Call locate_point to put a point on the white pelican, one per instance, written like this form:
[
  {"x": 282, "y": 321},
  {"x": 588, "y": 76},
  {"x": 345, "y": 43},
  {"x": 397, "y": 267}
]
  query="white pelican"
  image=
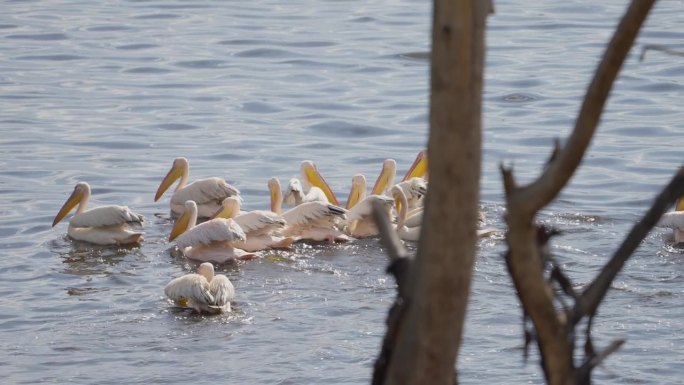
[
  {"x": 414, "y": 189},
  {"x": 412, "y": 233},
  {"x": 316, "y": 186},
  {"x": 262, "y": 227},
  {"x": 204, "y": 291},
  {"x": 316, "y": 221},
  {"x": 211, "y": 241},
  {"x": 406, "y": 233},
  {"x": 207, "y": 193},
  {"x": 675, "y": 221},
  {"x": 419, "y": 167},
  {"x": 360, "y": 221},
  {"x": 105, "y": 225}
]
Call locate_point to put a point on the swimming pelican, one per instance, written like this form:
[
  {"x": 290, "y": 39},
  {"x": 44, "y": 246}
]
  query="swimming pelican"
[
  {"x": 104, "y": 225},
  {"x": 360, "y": 221},
  {"x": 207, "y": 193},
  {"x": 312, "y": 180},
  {"x": 675, "y": 221},
  {"x": 406, "y": 233},
  {"x": 316, "y": 221},
  {"x": 412, "y": 233},
  {"x": 211, "y": 241},
  {"x": 203, "y": 291},
  {"x": 419, "y": 167},
  {"x": 262, "y": 228},
  {"x": 415, "y": 187}
]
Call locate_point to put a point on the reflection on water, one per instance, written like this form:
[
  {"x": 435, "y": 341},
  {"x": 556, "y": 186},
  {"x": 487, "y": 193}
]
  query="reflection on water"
[{"x": 112, "y": 92}]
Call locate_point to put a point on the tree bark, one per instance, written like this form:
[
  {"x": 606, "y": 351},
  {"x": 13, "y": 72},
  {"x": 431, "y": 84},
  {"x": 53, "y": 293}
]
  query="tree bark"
[{"x": 430, "y": 335}]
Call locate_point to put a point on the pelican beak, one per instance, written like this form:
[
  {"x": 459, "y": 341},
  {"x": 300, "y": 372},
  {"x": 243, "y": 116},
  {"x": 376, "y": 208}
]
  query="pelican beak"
[
  {"x": 73, "y": 200},
  {"x": 223, "y": 212},
  {"x": 354, "y": 196},
  {"x": 419, "y": 168},
  {"x": 180, "y": 226},
  {"x": 383, "y": 180},
  {"x": 397, "y": 203},
  {"x": 314, "y": 178},
  {"x": 174, "y": 174},
  {"x": 680, "y": 204}
]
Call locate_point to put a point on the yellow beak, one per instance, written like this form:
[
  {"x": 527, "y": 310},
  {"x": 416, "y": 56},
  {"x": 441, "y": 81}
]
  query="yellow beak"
[
  {"x": 223, "y": 212},
  {"x": 382, "y": 181},
  {"x": 315, "y": 179},
  {"x": 180, "y": 226},
  {"x": 419, "y": 168},
  {"x": 680, "y": 204},
  {"x": 174, "y": 174},
  {"x": 73, "y": 200},
  {"x": 354, "y": 196}
]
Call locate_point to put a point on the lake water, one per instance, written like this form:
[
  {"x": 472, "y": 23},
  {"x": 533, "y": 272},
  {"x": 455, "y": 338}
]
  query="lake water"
[{"x": 110, "y": 92}]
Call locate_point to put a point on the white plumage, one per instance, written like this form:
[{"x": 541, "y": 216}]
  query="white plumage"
[
  {"x": 104, "y": 225},
  {"x": 263, "y": 229},
  {"x": 311, "y": 220},
  {"x": 360, "y": 222},
  {"x": 207, "y": 193},
  {"x": 211, "y": 241},
  {"x": 675, "y": 221},
  {"x": 204, "y": 291}
]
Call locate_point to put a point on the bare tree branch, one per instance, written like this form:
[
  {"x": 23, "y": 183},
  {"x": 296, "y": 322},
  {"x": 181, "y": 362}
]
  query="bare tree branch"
[
  {"x": 592, "y": 296},
  {"x": 555, "y": 177}
]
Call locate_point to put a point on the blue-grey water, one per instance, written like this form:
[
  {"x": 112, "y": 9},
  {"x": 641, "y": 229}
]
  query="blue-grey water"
[{"x": 110, "y": 92}]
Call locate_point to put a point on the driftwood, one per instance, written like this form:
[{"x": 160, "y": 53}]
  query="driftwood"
[{"x": 527, "y": 259}]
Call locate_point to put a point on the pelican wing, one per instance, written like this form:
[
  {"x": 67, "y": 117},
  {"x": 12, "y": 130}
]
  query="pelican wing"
[
  {"x": 222, "y": 290},
  {"x": 365, "y": 207},
  {"x": 204, "y": 191},
  {"x": 673, "y": 219},
  {"x": 106, "y": 216},
  {"x": 310, "y": 212},
  {"x": 190, "y": 288},
  {"x": 260, "y": 221},
  {"x": 214, "y": 230}
]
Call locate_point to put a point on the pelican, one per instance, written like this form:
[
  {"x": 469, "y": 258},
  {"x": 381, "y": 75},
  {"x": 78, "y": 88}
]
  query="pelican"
[
  {"x": 262, "y": 228},
  {"x": 413, "y": 233},
  {"x": 203, "y": 291},
  {"x": 675, "y": 221},
  {"x": 207, "y": 193},
  {"x": 419, "y": 167},
  {"x": 360, "y": 222},
  {"x": 406, "y": 233},
  {"x": 317, "y": 188},
  {"x": 316, "y": 221},
  {"x": 414, "y": 189},
  {"x": 105, "y": 225},
  {"x": 211, "y": 241}
]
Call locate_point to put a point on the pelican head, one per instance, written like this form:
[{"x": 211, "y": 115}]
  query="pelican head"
[
  {"x": 357, "y": 192},
  {"x": 276, "y": 194},
  {"x": 419, "y": 168},
  {"x": 294, "y": 193},
  {"x": 206, "y": 270},
  {"x": 230, "y": 207},
  {"x": 80, "y": 194},
  {"x": 186, "y": 221},
  {"x": 179, "y": 170},
  {"x": 386, "y": 177},
  {"x": 312, "y": 177}
]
